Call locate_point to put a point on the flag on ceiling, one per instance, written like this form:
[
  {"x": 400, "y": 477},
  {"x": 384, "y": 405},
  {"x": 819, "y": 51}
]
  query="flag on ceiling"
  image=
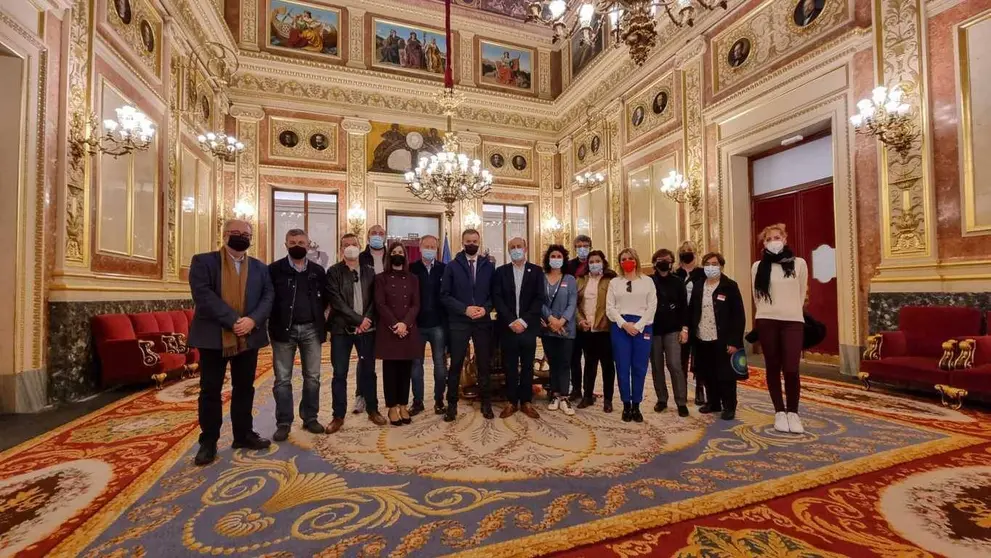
[{"x": 446, "y": 257}]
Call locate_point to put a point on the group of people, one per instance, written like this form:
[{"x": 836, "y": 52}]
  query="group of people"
[{"x": 379, "y": 305}]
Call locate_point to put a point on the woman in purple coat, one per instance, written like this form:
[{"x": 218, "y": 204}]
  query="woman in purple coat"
[{"x": 397, "y": 341}]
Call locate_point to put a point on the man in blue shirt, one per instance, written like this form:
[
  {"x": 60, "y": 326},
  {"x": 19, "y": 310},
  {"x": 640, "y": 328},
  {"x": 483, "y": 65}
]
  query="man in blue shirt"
[{"x": 431, "y": 323}]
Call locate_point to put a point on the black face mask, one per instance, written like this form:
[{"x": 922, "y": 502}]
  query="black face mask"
[
  {"x": 687, "y": 257},
  {"x": 663, "y": 266},
  {"x": 471, "y": 249},
  {"x": 238, "y": 243},
  {"x": 297, "y": 252},
  {"x": 397, "y": 260}
]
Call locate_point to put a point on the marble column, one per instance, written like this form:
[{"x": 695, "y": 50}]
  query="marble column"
[
  {"x": 356, "y": 38},
  {"x": 246, "y": 179},
  {"x": 544, "y": 73},
  {"x": 467, "y": 58},
  {"x": 357, "y": 166}
]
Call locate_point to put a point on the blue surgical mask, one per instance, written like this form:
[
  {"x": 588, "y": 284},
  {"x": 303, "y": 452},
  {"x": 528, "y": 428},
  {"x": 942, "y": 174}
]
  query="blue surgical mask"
[
  {"x": 712, "y": 271},
  {"x": 583, "y": 252},
  {"x": 595, "y": 268},
  {"x": 517, "y": 254},
  {"x": 557, "y": 263},
  {"x": 376, "y": 242},
  {"x": 430, "y": 255}
]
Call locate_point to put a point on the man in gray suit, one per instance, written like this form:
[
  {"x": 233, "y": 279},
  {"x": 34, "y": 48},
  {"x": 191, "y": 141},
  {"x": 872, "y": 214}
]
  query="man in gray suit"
[{"x": 233, "y": 296}]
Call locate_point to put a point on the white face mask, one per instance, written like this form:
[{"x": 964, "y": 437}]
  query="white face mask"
[
  {"x": 351, "y": 253},
  {"x": 774, "y": 246}
]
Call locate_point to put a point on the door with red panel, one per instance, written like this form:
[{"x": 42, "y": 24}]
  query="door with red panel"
[{"x": 808, "y": 215}]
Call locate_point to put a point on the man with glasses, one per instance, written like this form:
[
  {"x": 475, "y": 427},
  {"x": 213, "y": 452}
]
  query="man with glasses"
[
  {"x": 352, "y": 327},
  {"x": 233, "y": 296}
]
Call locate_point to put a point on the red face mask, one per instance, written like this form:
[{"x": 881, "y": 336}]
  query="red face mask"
[{"x": 629, "y": 265}]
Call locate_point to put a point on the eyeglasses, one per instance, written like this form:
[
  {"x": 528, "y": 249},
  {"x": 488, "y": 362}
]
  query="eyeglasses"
[
  {"x": 629, "y": 286},
  {"x": 354, "y": 275}
]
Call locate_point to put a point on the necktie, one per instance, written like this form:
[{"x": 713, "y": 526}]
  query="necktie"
[{"x": 471, "y": 268}]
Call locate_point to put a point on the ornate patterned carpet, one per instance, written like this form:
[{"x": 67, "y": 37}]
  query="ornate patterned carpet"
[{"x": 875, "y": 474}]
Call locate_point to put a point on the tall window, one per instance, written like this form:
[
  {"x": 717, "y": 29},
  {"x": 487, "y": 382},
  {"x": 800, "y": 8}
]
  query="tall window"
[
  {"x": 502, "y": 223},
  {"x": 196, "y": 208},
  {"x": 314, "y": 213}
]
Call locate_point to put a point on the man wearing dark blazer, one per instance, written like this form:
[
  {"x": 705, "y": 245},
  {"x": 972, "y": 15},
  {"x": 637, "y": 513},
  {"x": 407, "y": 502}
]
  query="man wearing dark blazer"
[
  {"x": 578, "y": 266},
  {"x": 518, "y": 295},
  {"x": 466, "y": 292},
  {"x": 431, "y": 323},
  {"x": 229, "y": 326}
]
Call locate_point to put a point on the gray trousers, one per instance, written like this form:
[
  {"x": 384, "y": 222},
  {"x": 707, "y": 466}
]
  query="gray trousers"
[{"x": 666, "y": 349}]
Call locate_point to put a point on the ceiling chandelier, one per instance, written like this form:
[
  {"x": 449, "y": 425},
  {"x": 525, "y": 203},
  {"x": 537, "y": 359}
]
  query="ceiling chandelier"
[
  {"x": 449, "y": 176},
  {"x": 632, "y": 22}
]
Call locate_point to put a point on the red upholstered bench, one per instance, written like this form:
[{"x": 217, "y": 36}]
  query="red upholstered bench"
[
  {"x": 926, "y": 352},
  {"x": 138, "y": 348}
]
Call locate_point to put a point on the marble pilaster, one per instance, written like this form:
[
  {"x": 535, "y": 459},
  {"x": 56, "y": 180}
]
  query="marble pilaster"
[
  {"x": 357, "y": 166},
  {"x": 544, "y": 73},
  {"x": 467, "y": 58},
  {"x": 356, "y": 38}
]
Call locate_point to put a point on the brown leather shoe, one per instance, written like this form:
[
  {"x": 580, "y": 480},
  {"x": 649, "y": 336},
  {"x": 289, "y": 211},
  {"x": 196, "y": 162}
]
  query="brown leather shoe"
[
  {"x": 529, "y": 411},
  {"x": 335, "y": 425},
  {"x": 508, "y": 411},
  {"x": 377, "y": 418}
]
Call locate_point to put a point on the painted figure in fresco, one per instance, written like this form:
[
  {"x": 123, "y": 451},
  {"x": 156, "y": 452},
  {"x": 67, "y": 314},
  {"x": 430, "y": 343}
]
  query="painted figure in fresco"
[
  {"x": 435, "y": 61},
  {"x": 390, "y": 50},
  {"x": 392, "y": 139},
  {"x": 506, "y": 69},
  {"x": 310, "y": 32},
  {"x": 414, "y": 53}
]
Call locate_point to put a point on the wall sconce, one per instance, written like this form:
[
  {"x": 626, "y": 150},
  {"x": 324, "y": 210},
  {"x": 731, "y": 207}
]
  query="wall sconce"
[
  {"x": 589, "y": 180},
  {"x": 887, "y": 118},
  {"x": 131, "y": 131},
  {"x": 221, "y": 146},
  {"x": 677, "y": 188},
  {"x": 552, "y": 228},
  {"x": 356, "y": 219},
  {"x": 244, "y": 210},
  {"x": 472, "y": 220}
]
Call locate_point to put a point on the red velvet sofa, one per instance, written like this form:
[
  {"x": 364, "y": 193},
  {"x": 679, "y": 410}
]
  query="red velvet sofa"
[
  {"x": 138, "y": 348},
  {"x": 936, "y": 347}
]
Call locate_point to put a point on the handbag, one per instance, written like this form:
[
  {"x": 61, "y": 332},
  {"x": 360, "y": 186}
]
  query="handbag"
[{"x": 814, "y": 332}]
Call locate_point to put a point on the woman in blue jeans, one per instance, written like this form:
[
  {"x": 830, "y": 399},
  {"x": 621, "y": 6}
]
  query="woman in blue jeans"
[
  {"x": 630, "y": 304},
  {"x": 560, "y": 306}
]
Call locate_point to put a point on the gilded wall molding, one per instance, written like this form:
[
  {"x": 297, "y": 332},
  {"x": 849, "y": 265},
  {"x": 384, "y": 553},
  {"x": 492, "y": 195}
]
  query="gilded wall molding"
[
  {"x": 132, "y": 33},
  {"x": 544, "y": 73},
  {"x": 356, "y": 38},
  {"x": 908, "y": 228},
  {"x": 545, "y": 156},
  {"x": 246, "y": 181},
  {"x": 172, "y": 192},
  {"x": 508, "y": 164},
  {"x": 80, "y": 69},
  {"x": 357, "y": 131},
  {"x": 614, "y": 178},
  {"x": 249, "y": 24},
  {"x": 694, "y": 147},
  {"x": 667, "y": 97},
  {"x": 467, "y": 58},
  {"x": 306, "y": 149}
]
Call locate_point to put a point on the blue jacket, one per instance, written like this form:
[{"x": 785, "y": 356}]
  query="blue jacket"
[
  {"x": 563, "y": 304},
  {"x": 457, "y": 293},
  {"x": 432, "y": 312},
  {"x": 212, "y": 315}
]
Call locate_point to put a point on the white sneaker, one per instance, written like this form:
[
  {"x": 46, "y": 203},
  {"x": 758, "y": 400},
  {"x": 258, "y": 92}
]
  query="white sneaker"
[
  {"x": 795, "y": 424},
  {"x": 359, "y": 405},
  {"x": 553, "y": 405},
  {"x": 781, "y": 422},
  {"x": 566, "y": 407}
]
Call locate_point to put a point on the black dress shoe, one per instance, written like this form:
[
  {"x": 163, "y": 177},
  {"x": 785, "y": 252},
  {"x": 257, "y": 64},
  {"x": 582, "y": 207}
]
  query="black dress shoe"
[
  {"x": 682, "y": 411},
  {"x": 635, "y": 413},
  {"x": 281, "y": 433},
  {"x": 439, "y": 408},
  {"x": 253, "y": 442},
  {"x": 451, "y": 414},
  {"x": 586, "y": 402},
  {"x": 416, "y": 408},
  {"x": 575, "y": 397},
  {"x": 487, "y": 411},
  {"x": 206, "y": 454},
  {"x": 699, "y": 394},
  {"x": 728, "y": 415},
  {"x": 314, "y": 427},
  {"x": 660, "y": 407},
  {"x": 627, "y": 412},
  {"x": 607, "y": 406},
  {"x": 706, "y": 409}
]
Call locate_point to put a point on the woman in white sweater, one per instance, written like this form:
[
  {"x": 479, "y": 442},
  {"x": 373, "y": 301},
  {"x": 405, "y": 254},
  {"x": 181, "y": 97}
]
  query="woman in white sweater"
[
  {"x": 781, "y": 283},
  {"x": 630, "y": 304}
]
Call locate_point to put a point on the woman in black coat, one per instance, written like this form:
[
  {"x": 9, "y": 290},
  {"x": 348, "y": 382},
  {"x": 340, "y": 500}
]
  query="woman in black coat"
[
  {"x": 397, "y": 341},
  {"x": 717, "y": 323}
]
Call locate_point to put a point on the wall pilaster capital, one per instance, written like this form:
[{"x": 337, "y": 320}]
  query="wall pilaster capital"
[
  {"x": 356, "y": 126},
  {"x": 469, "y": 140},
  {"x": 249, "y": 113},
  {"x": 691, "y": 51},
  {"x": 546, "y": 148}
]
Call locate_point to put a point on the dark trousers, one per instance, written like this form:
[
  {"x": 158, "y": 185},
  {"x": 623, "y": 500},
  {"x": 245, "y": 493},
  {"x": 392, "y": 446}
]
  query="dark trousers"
[
  {"x": 598, "y": 350},
  {"x": 341, "y": 345},
  {"x": 576, "y": 364},
  {"x": 213, "y": 366},
  {"x": 396, "y": 381},
  {"x": 558, "y": 352},
  {"x": 518, "y": 352},
  {"x": 712, "y": 365},
  {"x": 688, "y": 362},
  {"x": 782, "y": 345},
  {"x": 665, "y": 348},
  {"x": 481, "y": 335}
]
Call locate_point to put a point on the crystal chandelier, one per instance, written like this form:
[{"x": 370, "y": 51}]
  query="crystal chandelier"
[
  {"x": 678, "y": 189},
  {"x": 633, "y": 22},
  {"x": 449, "y": 176},
  {"x": 132, "y": 131},
  {"x": 886, "y": 117},
  {"x": 220, "y": 145}
]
